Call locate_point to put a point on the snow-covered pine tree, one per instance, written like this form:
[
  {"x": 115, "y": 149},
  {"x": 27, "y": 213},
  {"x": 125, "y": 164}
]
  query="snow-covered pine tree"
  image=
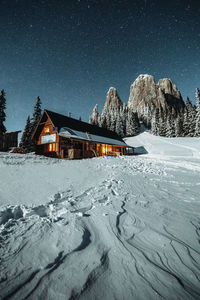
[
  {"x": 170, "y": 128},
  {"x": 94, "y": 118},
  {"x": 197, "y": 123},
  {"x": 2, "y": 111},
  {"x": 192, "y": 118},
  {"x": 102, "y": 121},
  {"x": 119, "y": 119},
  {"x": 132, "y": 123},
  {"x": 179, "y": 125},
  {"x": 37, "y": 112},
  {"x": 26, "y": 136},
  {"x": 136, "y": 123},
  {"x": 108, "y": 119},
  {"x": 34, "y": 121},
  {"x": 129, "y": 131},
  {"x": 147, "y": 116},
  {"x": 123, "y": 115},
  {"x": 155, "y": 122},
  {"x": 189, "y": 119},
  {"x": 186, "y": 120},
  {"x": 162, "y": 122},
  {"x": 113, "y": 117},
  {"x": 119, "y": 126}
]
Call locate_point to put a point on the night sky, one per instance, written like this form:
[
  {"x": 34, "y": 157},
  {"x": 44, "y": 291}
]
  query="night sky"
[{"x": 70, "y": 52}]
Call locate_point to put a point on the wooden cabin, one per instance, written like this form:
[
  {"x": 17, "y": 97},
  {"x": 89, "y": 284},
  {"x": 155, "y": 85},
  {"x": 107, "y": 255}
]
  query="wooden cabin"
[
  {"x": 8, "y": 140},
  {"x": 60, "y": 136}
]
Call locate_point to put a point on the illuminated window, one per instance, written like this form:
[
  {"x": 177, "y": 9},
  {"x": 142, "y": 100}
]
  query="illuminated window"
[
  {"x": 104, "y": 149},
  {"x": 52, "y": 147},
  {"x": 46, "y": 130}
]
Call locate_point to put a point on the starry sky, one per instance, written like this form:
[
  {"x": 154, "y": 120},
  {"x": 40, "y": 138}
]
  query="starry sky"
[{"x": 69, "y": 52}]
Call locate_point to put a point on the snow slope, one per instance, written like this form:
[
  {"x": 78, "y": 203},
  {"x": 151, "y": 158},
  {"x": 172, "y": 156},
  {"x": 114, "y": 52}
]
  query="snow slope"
[{"x": 102, "y": 228}]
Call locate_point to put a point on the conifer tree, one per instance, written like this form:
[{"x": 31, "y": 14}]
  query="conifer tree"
[
  {"x": 123, "y": 116},
  {"x": 197, "y": 123},
  {"x": 113, "y": 117},
  {"x": 170, "y": 129},
  {"x": 26, "y": 136},
  {"x": 119, "y": 126},
  {"x": 132, "y": 123},
  {"x": 129, "y": 131},
  {"x": 186, "y": 119},
  {"x": 37, "y": 112},
  {"x": 121, "y": 119},
  {"x": 136, "y": 123},
  {"x": 94, "y": 118},
  {"x": 155, "y": 122},
  {"x": 189, "y": 119},
  {"x": 35, "y": 119},
  {"x": 2, "y": 111},
  {"x": 102, "y": 120},
  {"x": 179, "y": 126},
  {"x": 162, "y": 122},
  {"x": 31, "y": 124},
  {"x": 108, "y": 119}
]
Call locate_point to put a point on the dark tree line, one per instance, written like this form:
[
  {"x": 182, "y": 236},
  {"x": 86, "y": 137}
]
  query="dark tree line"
[
  {"x": 121, "y": 120},
  {"x": 183, "y": 124},
  {"x": 26, "y": 140},
  {"x": 2, "y": 111},
  {"x": 31, "y": 123},
  {"x": 161, "y": 122}
]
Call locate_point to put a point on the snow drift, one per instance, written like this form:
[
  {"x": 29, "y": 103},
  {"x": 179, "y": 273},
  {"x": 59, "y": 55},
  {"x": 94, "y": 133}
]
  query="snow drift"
[{"x": 113, "y": 228}]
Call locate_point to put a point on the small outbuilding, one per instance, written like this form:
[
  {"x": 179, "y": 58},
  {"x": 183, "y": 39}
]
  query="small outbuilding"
[
  {"x": 60, "y": 136},
  {"x": 8, "y": 140}
]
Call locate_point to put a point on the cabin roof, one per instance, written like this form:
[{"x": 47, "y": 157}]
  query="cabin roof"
[
  {"x": 61, "y": 122},
  {"x": 67, "y": 132}
]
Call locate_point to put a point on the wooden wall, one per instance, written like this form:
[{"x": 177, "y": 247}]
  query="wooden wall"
[
  {"x": 1, "y": 141},
  {"x": 47, "y": 130},
  {"x": 63, "y": 147},
  {"x": 8, "y": 140}
]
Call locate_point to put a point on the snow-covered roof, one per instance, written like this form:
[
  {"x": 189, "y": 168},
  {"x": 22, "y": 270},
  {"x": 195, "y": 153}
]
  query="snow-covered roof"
[
  {"x": 105, "y": 140},
  {"x": 68, "y": 132}
]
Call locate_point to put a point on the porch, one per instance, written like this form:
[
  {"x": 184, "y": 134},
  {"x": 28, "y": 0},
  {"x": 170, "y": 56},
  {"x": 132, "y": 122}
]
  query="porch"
[{"x": 76, "y": 149}]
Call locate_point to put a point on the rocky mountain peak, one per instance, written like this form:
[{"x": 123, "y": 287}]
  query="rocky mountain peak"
[
  {"x": 112, "y": 99},
  {"x": 146, "y": 95},
  {"x": 145, "y": 77},
  {"x": 169, "y": 87}
]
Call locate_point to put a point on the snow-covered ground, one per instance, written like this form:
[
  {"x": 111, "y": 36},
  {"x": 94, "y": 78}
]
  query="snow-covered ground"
[{"x": 103, "y": 228}]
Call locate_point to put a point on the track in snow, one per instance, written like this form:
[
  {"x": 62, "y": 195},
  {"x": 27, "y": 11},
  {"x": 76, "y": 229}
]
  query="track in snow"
[{"x": 135, "y": 234}]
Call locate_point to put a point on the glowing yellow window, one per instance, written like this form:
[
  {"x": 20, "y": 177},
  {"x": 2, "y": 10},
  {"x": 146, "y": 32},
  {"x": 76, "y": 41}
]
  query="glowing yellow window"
[
  {"x": 46, "y": 130},
  {"x": 52, "y": 147},
  {"x": 104, "y": 149}
]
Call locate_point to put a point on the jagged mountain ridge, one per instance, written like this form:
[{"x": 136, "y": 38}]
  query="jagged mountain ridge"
[
  {"x": 146, "y": 95},
  {"x": 147, "y": 101},
  {"x": 116, "y": 116}
]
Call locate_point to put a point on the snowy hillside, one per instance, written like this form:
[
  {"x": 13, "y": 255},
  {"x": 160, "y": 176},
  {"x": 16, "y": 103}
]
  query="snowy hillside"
[
  {"x": 102, "y": 228},
  {"x": 162, "y": 146}
]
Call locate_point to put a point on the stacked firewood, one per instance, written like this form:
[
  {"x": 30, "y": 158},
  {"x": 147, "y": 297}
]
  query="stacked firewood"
[{"x": 18, "y": 150}]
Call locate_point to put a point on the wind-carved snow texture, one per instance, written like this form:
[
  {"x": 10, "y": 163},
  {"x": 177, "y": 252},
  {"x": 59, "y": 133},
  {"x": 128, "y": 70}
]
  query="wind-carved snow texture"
[{"x": 135, "y": 234}]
